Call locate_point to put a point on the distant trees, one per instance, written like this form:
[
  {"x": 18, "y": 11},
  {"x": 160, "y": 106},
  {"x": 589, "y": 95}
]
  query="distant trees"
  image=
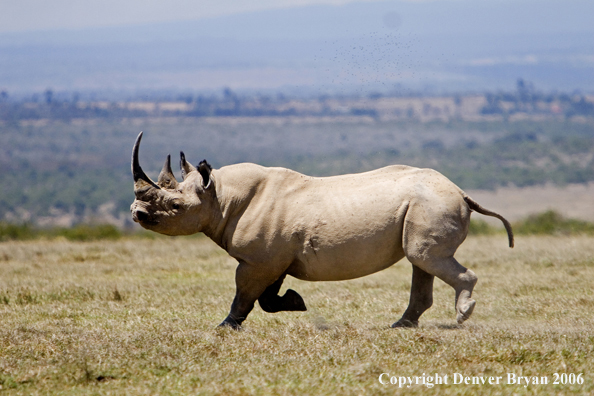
[
  {"x": 580, "y": 107},
  {"x": 526, "y": 99},
  {"x": 48, "y": 95},
  {"x": 66, "y": 106}
]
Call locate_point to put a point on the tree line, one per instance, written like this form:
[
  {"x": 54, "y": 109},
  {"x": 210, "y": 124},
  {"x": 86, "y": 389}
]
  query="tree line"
[{"x": 66, "y": 106}]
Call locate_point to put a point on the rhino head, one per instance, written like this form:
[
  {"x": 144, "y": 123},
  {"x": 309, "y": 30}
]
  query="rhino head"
[{"x": 167, "y": 206}]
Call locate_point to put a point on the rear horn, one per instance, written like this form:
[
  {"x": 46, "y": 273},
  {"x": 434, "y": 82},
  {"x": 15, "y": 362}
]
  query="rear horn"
[{"x": 185, "y": 166}]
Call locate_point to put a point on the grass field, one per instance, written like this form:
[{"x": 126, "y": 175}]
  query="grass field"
[{"x": 139, "y": 316}]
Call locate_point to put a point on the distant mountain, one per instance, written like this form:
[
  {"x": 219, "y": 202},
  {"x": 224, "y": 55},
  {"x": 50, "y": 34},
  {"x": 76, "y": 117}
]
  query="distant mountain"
[{"x": 366, "y": 46}]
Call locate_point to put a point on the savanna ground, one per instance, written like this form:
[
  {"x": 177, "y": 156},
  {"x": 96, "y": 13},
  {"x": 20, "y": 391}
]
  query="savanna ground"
[{"x": 139, "y": 316}]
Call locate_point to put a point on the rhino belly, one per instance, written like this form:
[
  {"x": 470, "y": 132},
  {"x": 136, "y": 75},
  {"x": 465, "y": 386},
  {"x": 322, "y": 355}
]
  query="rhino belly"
[{"x": 322, "y": 261}]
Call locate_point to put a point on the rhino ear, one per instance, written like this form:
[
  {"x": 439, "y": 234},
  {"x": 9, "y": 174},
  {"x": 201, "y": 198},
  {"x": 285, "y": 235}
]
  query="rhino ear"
[
  {"x": 204, "y": 168},
  {"x": 185, "y": 166},
  {"x": 166, "y": 177}
]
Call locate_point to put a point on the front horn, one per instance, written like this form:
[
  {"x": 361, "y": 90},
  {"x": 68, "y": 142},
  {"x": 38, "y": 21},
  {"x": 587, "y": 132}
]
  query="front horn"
[{"x": 137, "y": 171}]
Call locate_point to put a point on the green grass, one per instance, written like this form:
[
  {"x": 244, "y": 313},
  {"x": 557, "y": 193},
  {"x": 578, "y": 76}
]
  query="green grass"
[
  {"x": 139, "y": 316},
  {"x": 546, "y": 223},
  {"x": 552, "y": 223},
  {"x": 481, "y": 227},
  {"x": 17, "y": 232},
  {"x": 80, "y": 232}
]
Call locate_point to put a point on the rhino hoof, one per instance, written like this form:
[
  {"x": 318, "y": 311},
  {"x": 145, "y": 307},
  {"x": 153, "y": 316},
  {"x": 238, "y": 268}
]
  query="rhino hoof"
[
  {"x": 232, "y": 323},
  {"x": 293, "y": 301},
  {"x": 406, "y": 323},
  {"x": 465, "y": 311}
]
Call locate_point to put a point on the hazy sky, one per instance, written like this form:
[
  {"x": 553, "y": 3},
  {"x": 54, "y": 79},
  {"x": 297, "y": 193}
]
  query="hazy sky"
[
  {"x": 481, "y": 43},
  {"x": 31, "y": 15}
]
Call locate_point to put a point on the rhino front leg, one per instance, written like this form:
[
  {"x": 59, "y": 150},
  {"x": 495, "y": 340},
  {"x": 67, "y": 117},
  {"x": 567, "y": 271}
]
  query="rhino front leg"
[
  {"x": 250, "y": 281},
  {"x": 421, "y": 298},
  {"x": 271, "y": 302}
]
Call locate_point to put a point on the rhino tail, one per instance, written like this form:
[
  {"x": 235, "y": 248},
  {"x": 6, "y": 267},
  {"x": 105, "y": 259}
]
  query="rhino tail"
[{"x": 473, "y": 205}]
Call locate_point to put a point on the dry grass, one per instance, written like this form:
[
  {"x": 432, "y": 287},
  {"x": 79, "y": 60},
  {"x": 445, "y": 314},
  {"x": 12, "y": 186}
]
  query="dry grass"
[{"x": 139, "y": 317}]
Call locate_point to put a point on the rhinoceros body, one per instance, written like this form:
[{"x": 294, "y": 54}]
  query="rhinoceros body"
[{"x": 277, "y": 222}]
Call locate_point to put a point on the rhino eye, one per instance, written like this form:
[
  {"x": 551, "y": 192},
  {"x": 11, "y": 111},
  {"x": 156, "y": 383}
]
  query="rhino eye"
[{"x": 175, "y": 206}]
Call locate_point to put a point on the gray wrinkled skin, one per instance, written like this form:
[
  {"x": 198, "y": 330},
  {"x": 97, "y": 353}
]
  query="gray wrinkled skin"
[{"x": 277, "y": 222}]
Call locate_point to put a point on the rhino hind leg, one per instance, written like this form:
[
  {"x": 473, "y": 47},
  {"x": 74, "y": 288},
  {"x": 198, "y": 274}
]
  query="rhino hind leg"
[
  {"x": 459, "y": 277},
  {"x": 430, "y": 246},
  {"x": 463, "y": 281},
  {"x": 271, "y": 302},
  {"x": 421, "y": 298}
]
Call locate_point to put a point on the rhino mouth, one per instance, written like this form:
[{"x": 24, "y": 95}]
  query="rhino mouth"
[{"x": 144, "y": 218}]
